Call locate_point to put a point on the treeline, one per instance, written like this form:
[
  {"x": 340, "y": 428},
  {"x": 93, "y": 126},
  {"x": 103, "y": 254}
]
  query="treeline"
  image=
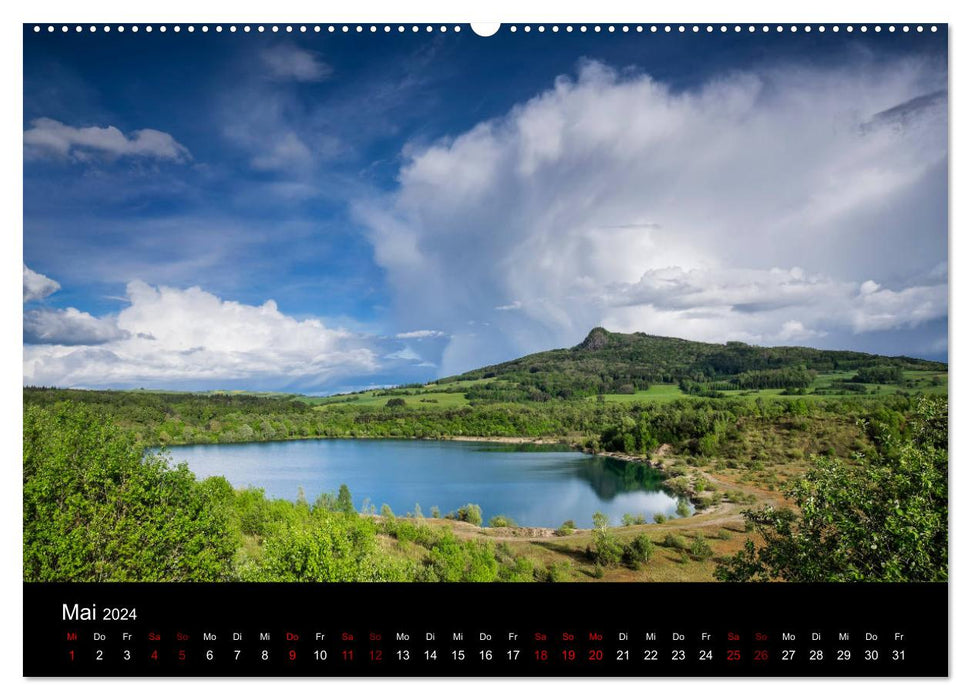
[{"x": 694, "y": 426}]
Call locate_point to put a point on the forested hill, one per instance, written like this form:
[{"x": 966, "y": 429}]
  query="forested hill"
[{"x": 607, "y": 362}]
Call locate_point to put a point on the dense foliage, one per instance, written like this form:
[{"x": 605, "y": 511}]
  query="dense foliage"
[
  {"x": 96, "y": 509},
  {"x": 882, "y": 520}
]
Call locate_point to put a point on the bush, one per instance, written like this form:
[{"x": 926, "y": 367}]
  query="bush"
[
  {"x": 470, "y": 513},
  {"x": 501, "y": 521},
  {"x": 567, "y": 528},
  {"x": 660, "y": 518},
  {"x": 606, "y": 549},
  {"x": 673, "y": 541},
  {"x": 638, "y": 551},
  {"x": 700, "y": 548},
  {"x": 396, "y": 402},
  {"x": 629, "y": 519},
  {"x": 97, "y": 508},
  {"x": 386, "y": 512},
  {"x": 684, "y": 508}
]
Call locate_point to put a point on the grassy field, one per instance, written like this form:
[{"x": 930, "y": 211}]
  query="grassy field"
[{"x": 928, "y": 382}]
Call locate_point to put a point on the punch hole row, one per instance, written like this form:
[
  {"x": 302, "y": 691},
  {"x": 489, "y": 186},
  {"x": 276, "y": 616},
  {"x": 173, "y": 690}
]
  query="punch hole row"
[{"x": 414, "y": 28}]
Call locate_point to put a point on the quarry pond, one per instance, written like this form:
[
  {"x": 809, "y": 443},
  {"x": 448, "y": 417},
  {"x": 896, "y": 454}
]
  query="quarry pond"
[{"x": 535, "y": 485}]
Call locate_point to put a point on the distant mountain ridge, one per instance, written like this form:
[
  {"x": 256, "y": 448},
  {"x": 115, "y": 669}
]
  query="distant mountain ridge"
[{"x": 606, "y": 362}]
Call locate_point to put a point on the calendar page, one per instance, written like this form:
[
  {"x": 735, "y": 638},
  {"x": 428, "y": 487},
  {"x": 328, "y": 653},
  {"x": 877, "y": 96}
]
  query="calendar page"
[{"x": 485, "y": 350}]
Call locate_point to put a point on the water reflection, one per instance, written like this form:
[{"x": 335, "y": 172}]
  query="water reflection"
[{"x": 537, "y": 485}]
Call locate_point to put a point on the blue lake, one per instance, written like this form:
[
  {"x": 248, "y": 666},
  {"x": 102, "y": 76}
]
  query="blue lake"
[{"x": 536, "y": 485}]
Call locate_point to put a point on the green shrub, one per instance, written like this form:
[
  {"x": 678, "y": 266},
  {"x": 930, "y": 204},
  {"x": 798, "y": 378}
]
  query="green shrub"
[
  {"x": 700, "y": 548},
  {"x": 501, "y": 521},
  {"x": 673, "y": 541},
  {"x": 469, "y": 513},
  {"x": 97, "y": 508},
  {"x": 660, "y": 518},
  {"x": 638, "y": 551}
]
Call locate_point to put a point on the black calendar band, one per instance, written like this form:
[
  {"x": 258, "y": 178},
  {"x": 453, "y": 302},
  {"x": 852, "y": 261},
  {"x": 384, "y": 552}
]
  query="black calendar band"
[{"x": 659, "y": 630}]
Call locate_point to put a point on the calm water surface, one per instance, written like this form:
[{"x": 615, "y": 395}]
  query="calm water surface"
[{"x": 536, "y": 485}]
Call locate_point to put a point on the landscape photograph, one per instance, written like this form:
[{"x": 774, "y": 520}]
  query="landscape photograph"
[{"x": 408, "y": 304}]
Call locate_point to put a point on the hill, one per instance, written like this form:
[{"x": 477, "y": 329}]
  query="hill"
[{"x": 625, "y": 363}]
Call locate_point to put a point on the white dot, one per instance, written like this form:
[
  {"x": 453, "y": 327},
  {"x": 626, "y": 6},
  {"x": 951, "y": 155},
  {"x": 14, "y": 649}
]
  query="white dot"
[
  {"x": 891, "y": 28},
  {"x": 78, "y": 28},
  {"x": 876, "y": 28},
  {"x": 822, "y": 28},
  {"x": 526, "y": 28},
  {"x": 428, "y": 28},
  {"x": 569, "y": 29},
  {"x": 512, "y": 29},
  {"x": 387, "y": 29},
  {"x": 458, "y": 28},
  {"x": 836, "y": 28},
  {"x": 121, "y": 28},
  {"x": 625, "y": 29},
  {"x": 751, "y": 29},
  {"x": 850, "y": 29},
  {"x": 863, "y": 28},
  {"x": 765, "y": 28},
  {"x": 107, "y": 28},
  {"x": 555, "y": 28}
]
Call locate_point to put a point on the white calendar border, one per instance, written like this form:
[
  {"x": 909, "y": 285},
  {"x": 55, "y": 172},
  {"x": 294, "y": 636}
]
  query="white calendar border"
[{"x": 522, "y": 11}]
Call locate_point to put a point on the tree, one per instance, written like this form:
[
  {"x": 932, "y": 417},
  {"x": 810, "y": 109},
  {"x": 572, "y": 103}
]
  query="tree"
[
  {"x": 882, "y": 520},
  {"x": 345, "y": 504},
  {"x": 606, "y": 549}
]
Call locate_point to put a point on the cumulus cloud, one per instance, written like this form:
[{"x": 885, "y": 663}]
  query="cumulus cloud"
[
  {"x": 37, "y": 286},
  {"x": 51, "y": 138},
  {"x": 614, "y": 199},
  {"x": 69, "y": 327},
  {"x": 167, "y": 335},
  {"x": 288, "y": 62}
]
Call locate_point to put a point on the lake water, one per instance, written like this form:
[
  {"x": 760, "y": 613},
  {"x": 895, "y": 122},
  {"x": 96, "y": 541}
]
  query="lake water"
[{"x": 536, "y": 485}]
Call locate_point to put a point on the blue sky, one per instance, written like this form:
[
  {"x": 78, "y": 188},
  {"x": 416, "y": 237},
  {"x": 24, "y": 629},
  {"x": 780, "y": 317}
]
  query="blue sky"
[{"x": 322, "y": 212}]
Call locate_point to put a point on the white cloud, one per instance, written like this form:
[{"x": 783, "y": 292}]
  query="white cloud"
[
  {"x": 612, "y": 198},
  {"x": 69, "y": 327},
  {"x": 51, "y": 138},
  {"x": 185, "y": 335},
  {"x": 37, "y": 286},
  {"x": 287, "y": 62},
  {"x": 420, "y": 334}
]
